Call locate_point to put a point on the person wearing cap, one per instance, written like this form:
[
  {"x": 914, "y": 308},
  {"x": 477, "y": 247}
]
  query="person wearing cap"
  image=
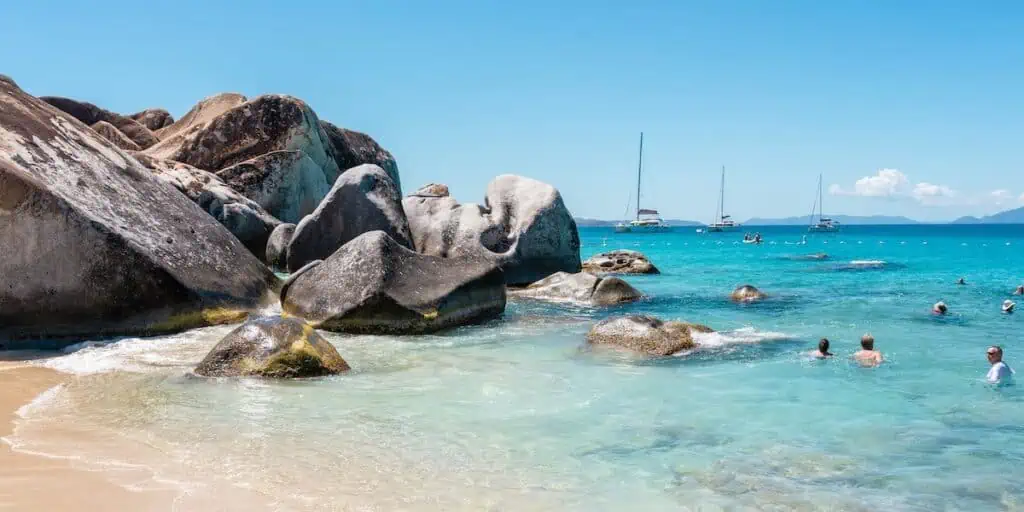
[
  {"x": 822, "y": 351},
  {"x": 940, "y": 308},
  {"x": 1019, "y": 290},
  {"x": 868, "y": 356},
  {"x": 1000, "y": 373},
  {"x": 1008, "y": 306}
]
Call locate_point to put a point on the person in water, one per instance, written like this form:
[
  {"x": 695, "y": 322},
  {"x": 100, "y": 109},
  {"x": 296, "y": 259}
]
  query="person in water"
[
  {"x": 1019, "y": 290},
  {"x": 961, "y": 281},
  {"x": 1008, "y": 306},
  {"x": 868, "y": 356},
  {"x": 1000, "y": 372},
  {"x": 822, "y": 351},
  {"x": 940, "y": 308}
]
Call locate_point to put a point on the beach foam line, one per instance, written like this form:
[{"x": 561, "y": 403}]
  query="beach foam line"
[{"x": 724, "y": 339}]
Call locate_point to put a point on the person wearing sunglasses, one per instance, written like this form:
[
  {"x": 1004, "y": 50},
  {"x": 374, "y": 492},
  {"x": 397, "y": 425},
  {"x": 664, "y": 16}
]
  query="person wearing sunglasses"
[{"x": 1000, "y": 373}]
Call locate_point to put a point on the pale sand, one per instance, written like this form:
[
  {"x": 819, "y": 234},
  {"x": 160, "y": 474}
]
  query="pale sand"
[{"x": 29, "y": 482}]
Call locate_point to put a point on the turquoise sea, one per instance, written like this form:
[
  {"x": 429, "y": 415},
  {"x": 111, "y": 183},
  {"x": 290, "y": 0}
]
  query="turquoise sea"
[{"x": 519, "y": 415}]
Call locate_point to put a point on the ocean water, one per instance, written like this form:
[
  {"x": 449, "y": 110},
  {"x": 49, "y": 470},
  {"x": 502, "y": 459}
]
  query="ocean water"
[{"x": 518, "y": 414}]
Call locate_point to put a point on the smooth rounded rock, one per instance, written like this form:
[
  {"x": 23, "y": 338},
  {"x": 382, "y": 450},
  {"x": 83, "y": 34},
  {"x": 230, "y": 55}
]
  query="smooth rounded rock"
[
  {"x": 277, "y": 246},
  {"x": 91, "y": 114},
  {"x": 620, "y": 262},
  {"x": 644, "y": 334},
  {"x": 581, "y": 288},
  {"x": 746, "y": 293},
  {"x": 112, "y": 134}
]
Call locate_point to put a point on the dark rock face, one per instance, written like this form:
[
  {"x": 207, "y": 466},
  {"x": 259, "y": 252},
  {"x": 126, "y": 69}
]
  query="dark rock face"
[
  {"x": 580, "y": 288},
  {"x": 352, "y": 149},
  {"x": 524, "y": 225},
  {"x": 746, "y": 293},
  {"x": 373, "y": 284},
  {"x": 153, "y": 118},
  {"x": 363, "y": 199},
  {"x": 277, "y": 246},
  {"x": 620, "y": 262},
  {"x": 112, "y": 134},
  {"x": 201, "y": 115},
  {"x": 101, "y": 247},
  {"x": 645, "y": 334},
  {"x": 287, "y": 184},
  {"x": 273, "y": 347},
  {"x": 91, "y": 114},
  {"x": 242, "y": 217}
]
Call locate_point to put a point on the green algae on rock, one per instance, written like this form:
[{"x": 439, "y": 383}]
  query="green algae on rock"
[{"x": 274, "y": 346}]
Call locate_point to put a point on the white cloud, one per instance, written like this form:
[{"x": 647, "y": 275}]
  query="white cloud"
[
  {"x": 887, "y": 183},
  {"x": 929, "y": 194},
  {"x": 894, "y": 184},
  {"x": 1001, "y": 196}
]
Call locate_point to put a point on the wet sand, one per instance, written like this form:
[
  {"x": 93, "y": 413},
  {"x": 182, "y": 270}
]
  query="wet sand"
[{"x": 30, "y": 482}]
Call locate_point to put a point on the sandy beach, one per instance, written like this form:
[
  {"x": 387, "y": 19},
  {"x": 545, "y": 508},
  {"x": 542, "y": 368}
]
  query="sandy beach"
[{"x": 29, "y": 482}]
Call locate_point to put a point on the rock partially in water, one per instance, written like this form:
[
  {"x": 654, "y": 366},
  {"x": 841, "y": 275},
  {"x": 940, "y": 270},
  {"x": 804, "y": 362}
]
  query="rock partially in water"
[
  {"x": 153, "y": 118},
  {"x": 277, "y": 246},
  {"x": 374, "y": 284},
  {"x": 645, "y": 334},
  {"x": 112, "y": 134},
  {"x": 524, "y": 226},
  {"x": 581, "y": 288},
  {"x": 746, "y": 293},
  {"x": 91, "y": 114},
  {"x": 243, "y": 217},
  {"x": 363, "y": 199},
  {"x": 287, "y": 184},
  {"x": 620, "y": 262},
  {"x": 273, "y": 347},
  {"x": 99, "y": 245},
  {"x": 352, "y": 149}
]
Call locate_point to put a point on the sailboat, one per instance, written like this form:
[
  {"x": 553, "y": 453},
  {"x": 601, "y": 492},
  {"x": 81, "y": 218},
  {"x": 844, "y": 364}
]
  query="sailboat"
[
  {"x": 647, "y": 220},
  {"x": 723, "y": 222},
  {"x": 822, "y": 224}
]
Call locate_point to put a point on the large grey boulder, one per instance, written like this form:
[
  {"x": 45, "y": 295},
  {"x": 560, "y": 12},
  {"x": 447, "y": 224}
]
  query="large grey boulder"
[
  {"x": 273, "y": 347},
  {"x": 619, "y": 262},
  {"x": 91, "y": 114},
  {"x": 153, "y": 118},
  {"x": 524, "y": 225},
  {"x": 277, "y": 246},
  {"x": 363, "y": 199},
  {"x": 352, "y": 149},
  {"x": 287, "y": 184},
  {"x": 580, "y": 288},
  {"x": 645, "y": 334},
  {"x": 241, "y": 216},
  {"x": 91, "y": 243},
  {"x": 374, "y": 284}
]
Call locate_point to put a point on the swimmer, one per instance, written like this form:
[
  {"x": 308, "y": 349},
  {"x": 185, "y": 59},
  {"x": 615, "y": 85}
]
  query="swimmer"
[
  {"x": 868, "y": 356},
  {"x": 940, "y": 308},
  {"x": 1019, "y": 290},
  {"x": 1000, "y": 373},
  {"x": 1008, "y": 306},
  {"x": 822, "y": 351},
  {"x": 961, "y": 281}
]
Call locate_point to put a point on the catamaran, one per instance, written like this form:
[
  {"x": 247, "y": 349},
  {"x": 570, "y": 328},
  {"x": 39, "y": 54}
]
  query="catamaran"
[
  {"x": 822, "y": 224},
  {"x": 647, "y": 220},
  {"x": 723, "y": 222}
]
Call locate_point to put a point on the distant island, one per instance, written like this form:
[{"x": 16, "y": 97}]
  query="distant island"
[
  {"x": 1015, "y": 216},
  {"x": 849, "y": 220},
  {"x": 584, "y": 222}
]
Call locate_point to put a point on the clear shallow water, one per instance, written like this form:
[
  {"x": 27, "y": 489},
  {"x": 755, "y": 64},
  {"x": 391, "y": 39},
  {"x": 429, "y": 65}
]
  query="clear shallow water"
[{"x": 516, "y": 415}]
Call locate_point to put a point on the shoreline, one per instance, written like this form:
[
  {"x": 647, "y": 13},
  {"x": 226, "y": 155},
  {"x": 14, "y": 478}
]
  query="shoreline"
[{"x": 36, "y": 482}]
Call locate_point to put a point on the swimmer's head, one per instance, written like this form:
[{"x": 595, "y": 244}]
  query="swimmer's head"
[
  {"x": 961, "y": 281},
  {"x": 867, "y": 342},
  {"x": 994, "y": 354},
  {"x": 940, "y": 308},
  {"x": 823, "y": 345},
  {"x": 1008, "y": 306}
]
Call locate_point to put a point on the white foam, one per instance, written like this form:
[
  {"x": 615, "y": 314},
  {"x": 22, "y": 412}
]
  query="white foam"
[
  {"x": 39, "y": 402},
  {"x": 136, "y": 355},
  {"x": 868, "y": 263},
  {"x": 742, "y": 336}
]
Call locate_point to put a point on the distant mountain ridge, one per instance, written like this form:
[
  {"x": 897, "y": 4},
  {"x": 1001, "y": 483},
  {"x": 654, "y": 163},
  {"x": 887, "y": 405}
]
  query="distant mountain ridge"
[
  {"x": 585, "y": 222},
  {"x": 1014, "y": 216},
  {"x": 849, "y": 220}
]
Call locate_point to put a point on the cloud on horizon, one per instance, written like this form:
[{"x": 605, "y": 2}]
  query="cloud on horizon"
[{"x": 893, "y": 184}]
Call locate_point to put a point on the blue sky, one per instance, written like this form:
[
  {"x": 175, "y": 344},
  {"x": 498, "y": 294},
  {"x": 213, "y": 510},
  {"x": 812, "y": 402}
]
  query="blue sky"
[{"x": 908, "y": 107}]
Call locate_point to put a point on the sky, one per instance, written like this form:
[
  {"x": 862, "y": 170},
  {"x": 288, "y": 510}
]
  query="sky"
[{"x": 911, "y": 108}]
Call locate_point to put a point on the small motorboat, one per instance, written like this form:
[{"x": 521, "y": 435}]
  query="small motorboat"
[{"x": 752, "y": 239}]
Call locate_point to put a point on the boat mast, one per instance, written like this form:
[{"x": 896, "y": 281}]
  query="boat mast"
[
  {"x": 721, "y": 198},
  {"x": 821, "y": 200},
  {"x": 639, "y": 168}
]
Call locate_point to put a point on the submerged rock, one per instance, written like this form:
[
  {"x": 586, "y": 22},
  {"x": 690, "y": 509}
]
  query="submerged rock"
[
  {"x": 153, "y": 118},
  {"x": 525, "y": 227},
  {"x": 620, "y": 262},
  {"x": 374, "y": 284},
  {"x": 645, "y": 334},
  {"x": 91, "y": 114},
  {"x": 580, "y": 288},
  {"x": 273, "y": 347},
  {"x": 277, "y": 246},
  {"x": 98, "y": 245},
  {"x": 363, "y": 199},
  {"x": 112, "y": 134},
  {"x": 746, "y": 293}
]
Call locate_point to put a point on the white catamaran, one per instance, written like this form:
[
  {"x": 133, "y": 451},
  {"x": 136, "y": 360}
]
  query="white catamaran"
[
  {"x": 723, "y": 222},
  {"x": 821, "y": 224},
  {"x": 647, "y": 220}
]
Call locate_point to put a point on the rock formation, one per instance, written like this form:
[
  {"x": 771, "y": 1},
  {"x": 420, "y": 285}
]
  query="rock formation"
[
  {"x": 620, "y": 262},
  {"x": 277, "y": 246},
  {"x": 746, "y": 293},
  {"x": 273, "y": 347},
  {"x": 645, "y": 334},
  {"x": 524, "y": 226},
  {"x": 287, "y": 184},
  {"x": 352, "y": 149},
  {"x": 582, "y": 288},
  {"x": 112, "y": 134},
  {"x": 153, "y": 118},
  {"x": 91, "y": 243},
  {"x": 374, "y": 284},
  {"x": 363, "y": 199},
  {"x": 91, "y": 114}
]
